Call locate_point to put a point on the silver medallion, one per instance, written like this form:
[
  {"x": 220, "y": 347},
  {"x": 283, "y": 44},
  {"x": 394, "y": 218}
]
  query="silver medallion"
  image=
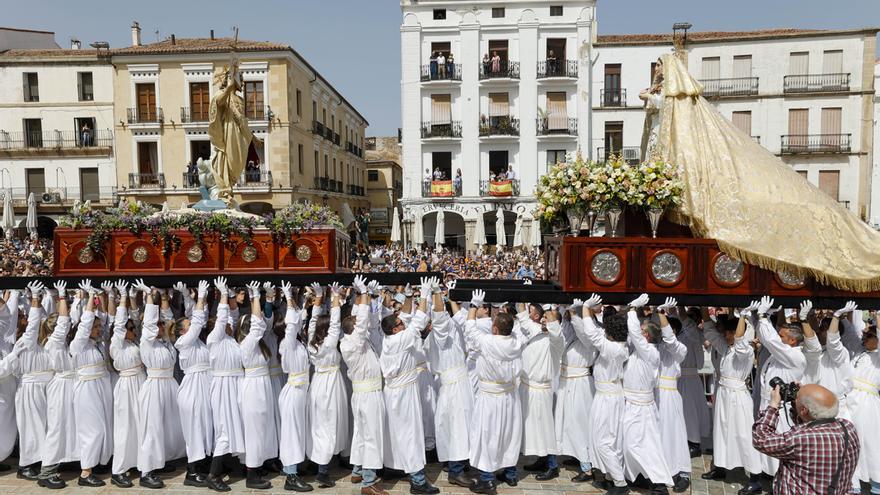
[
  {"x": 728, "y": 270},
  {"x": 666, "y": 268},
  {"x": 605, "y": 267}
]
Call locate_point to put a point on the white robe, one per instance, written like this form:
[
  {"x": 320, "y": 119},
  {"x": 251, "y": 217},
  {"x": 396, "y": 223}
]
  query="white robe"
[
  {"x": 787, "y": 363},
  {"x": 61, "y": 441},
  {"x": 367, "y": 400},
  {"x": 257, "y": 399},
  {"x": 35, "y": 371},
  {"x": 126, "y": 410},
  {"x": 496, "y": 429},
  {"x": 92, "y": 396},
  {"x": 829, "y": 367},
  {"x": 864, "y": 405},
  {"x": 642, "y": 443},
  {"x": 574, "y": 398},
  {"x": 328, "y": 402},
  {"x": 606, "y": 437},
  {"x": 276, "y": 373},
  {"x": 8, "y": 384},
  {"x": 194, "y": 394},
  {"x": 226, "y": 374},
  {"x": 673, "y": 432},
  {"x": 452, "y": 419},
  {"x": 159, "y": 432},
  {"x": 697, "y": 417},
  {"x": 483, "y": 325},
  {"x": 293, "y": 402},
  {"x": 540, "y": 363},
  {"x": 403, "y": 405},
  {"x": 734, "y": 412}
]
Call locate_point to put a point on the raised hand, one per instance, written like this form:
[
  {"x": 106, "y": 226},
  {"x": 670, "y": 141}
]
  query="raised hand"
[
  {"x": 203, "y": 289},
  {"x": 451, "y": 284},
  {"x": 335, "y": 289},
  {"x": 36, "y": 288},
  {"x": 765, "y": 305},
  {"x": 141, "y": 286},
  {"x": 360, "y": 284},
  {"x": 848, "y": 308},
  {"x": 373, "y": 287},
  {"x": 86, "y": 287},
  {"x": 61, "y": 288},
  {"x": 287, "y": 291},
  {"x": 639, "y": 301},
  {"x": 181, "y": 287},
  {"x": 577, "y": 304},
  {"x": 751, "y": 308},
  {"x": 253, "y": 289},
  {"x": 220, "y": 284},
  {"x": 408, "y": 291},
  {"x": 317, "y": 289},
  {"x": 805, "y": 309},
  {"x": 593, "y": 301},
  {"x": 477, "y": 298},
  {"x": 426, "y": 286},
  {"x": 668, "y": 304},
  {"x": 107, "y": 287}
]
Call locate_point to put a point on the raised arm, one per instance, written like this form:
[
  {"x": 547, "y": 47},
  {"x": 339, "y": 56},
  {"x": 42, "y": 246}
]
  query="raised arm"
[
  {"x": 58, "y": 338},
  {"x": 86, "y": 320},
  {"x": 641, "y": 346},
  {"x": 836, "y": 350},
  {"x": 335, "y": 328},
  {"x": 189, "y": 303},
  {"x": 593, "y": 333},
  {"x": 9, "y": 314},
  {"x": 258, "y": 323},
  {"x": 786, "y": 354},
  {"x": 218, "y": 333}
]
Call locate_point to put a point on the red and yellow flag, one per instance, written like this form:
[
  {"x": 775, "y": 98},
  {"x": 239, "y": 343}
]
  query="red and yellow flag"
[{"x": 442, "y": 188}]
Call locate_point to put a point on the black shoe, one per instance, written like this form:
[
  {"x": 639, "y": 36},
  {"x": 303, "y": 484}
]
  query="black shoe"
[
  {"x": 510, "y": 481},
  {"x": 753, "y": 488},
  {"x": 485, "y": 487},
  {"x": 121, "y": 480},
  {"x": 460, "y": 480},
  {"x": 257, "y": 483},
  {"x": 681, "y": 484},
  {"x": 582, "y": 477},
  {"x": 28, "y": 473},
  {"x": 217, "y": 484},
  {"x": 150, "y": 480},
  {"x": 425, "y": 488},
  {"x": 618, "y": 490},
  {"x": 660, "y": 489},
  {"x": 195, "y": 479},
  {"x": 324, "y": 481},
  {"x": 539, "y": 466},
  {"x": 716, "y": 473},
  {"x": 641, "y": 482},
  {"x": 90, "y": 480},
  {"x": 293, "y": 483},
  {"x": 52, "y": 483},
  {"x": 548, "y": 475},
  {"x": 696, "y": 451},
  {"x": 273, "y": 466}
]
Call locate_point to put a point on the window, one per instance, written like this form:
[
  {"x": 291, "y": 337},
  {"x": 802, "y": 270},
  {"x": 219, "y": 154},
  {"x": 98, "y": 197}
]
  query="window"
[
  {"x": 612, "y": 96},
  {"x": 555, "y": 10},
  {"x": 31, "y": 87},
  {"x": 498, "y": 163},
  {"x": 36, "y": 181},
  {"x": 441, "y": 162},
  {"x": 326, "y": 167},
  {"x": 557, "y": 113},
  {"x": 85, "y": 131},
  {"x": 743, "y": 121},
  {"x": 373, "y": 175},
  {"x": 499, "y": 107},
  {"x": 253, "y": 100},
  {"x": 556, "y": 49},
  {"x": 146, "y": 102},
  {"x": 441, "y": 109},
  {"x": 317, "y": 159},
  {"x": 613, "y": 138},
  {"x": 832, "y": 62},
  {"x": 742, "y": 66},
  {"x": 199, "y": 101},
  {"x": 148, "y": 162},
  {"x": 33, "y": 133},
  {"x": 798, "y": 127},
  {"x": 711, "y": 67},
  {"x": 831, "y": 127},
  {"x": 299, "y": 101},
  {"x": 89, "y": 185},
  {"x": 799, "y": 63},
  {"x": 199, "y": 149},
  {"x": 829, "y": 183},
  {"x": 555, "y": 156},
  {"x": 299, "y": 156},
  {"x": 439, "y": 14},
  {"x": 85, "y": 89},
  {"x": 497, "y": 12},
  {"x": 314, "y": 110}
]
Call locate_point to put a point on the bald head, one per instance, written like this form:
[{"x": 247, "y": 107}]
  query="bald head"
[{"x": 816, "y": 402}]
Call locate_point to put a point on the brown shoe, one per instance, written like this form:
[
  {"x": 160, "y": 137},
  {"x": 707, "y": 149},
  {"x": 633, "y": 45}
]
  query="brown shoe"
[
  {"x": 373, "y": 490},
  {"x": 355, "y": 479}
]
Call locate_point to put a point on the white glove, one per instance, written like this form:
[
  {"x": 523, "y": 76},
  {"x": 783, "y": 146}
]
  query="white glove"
[
  {"x": 36, "y": 288},
  {"x": 141, "y": 286},
  {"x": 317, "y": 289},
  {"x": 639, "y": 301},
  {"x": 669, "y": 304},
  {"x": 773, "y": 311},
  {"x": 804, "y": 312},
  {"x": 427, "y": 287},
  {"x": 751, "y": 308},
  {"x": 848, "y": 308},
  {"x": 765, "y": 305},
  {"x": 86, "y": 286},
  {"x": 61, "y": 288},
  {"x": 253, "y": 289},
  {"x": 359, "y": 284},
  {"x": 577, "y": 304},
  {"x": 477, "y": 298},
  {"x": 203, "y": 289},
  {"x": 451, "y": 284},
  {"x": 435, "y": 285},
  {"x": 527, "y": 282},
  {"x": 181, "y": 287},
  {"x": 122, "y": 288},
  {"x": 287, "y": 291},
  {"x": 593, "y": 301},
  {"x": 407, "y": 291},
  {"x": 269, "y": 287},
  {"x": 107, "y": 287},
  {"x": 335, "y": 289},
  {"x": 373, "y": 287}
]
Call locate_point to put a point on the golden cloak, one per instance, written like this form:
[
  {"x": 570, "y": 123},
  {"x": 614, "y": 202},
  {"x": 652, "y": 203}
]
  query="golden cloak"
[
  {"x": 231, "y": 135},
  {"x": 756, "y": 206}
]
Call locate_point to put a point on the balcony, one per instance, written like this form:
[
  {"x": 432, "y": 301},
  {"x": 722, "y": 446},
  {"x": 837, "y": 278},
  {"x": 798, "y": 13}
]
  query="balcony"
[
  {"x": 506, "y": 188},
  {"x": 816, "y": 83},
  {"x": 336, "y": 138},
  {"x": 557, "y": 68},
  {"x": 432, "y": 73},
  {"x": 440, "y": 189},
  {"x": 615, "y": 97},
  {"x": 322, "y": 183},
  {"x": 317, "y": 128},
  {"x": 630, "y": 154},
  {"x": 815, "y": 143},
  {"x": 556, "y": 126},
  {"x": 499, "y": 126},
  {"x": 191, "y": 181},
  {"x": 505, "y": 70},
  {"x": 257, "y": 112},
  {"x": 255, "y": 179},
  {"x": 151, "y": 115},
  {"x": 194, "y": 115},
  {"x": 354, "y": 150},
  {"x": 431, "y": 130},
  {"x": 735, "y": 86},
  {"x": 146, "y": 181},
  {"x": 356, "y": 190},
  {"x": 56, "y": 143},
  {"x": 61, "y": 196}
]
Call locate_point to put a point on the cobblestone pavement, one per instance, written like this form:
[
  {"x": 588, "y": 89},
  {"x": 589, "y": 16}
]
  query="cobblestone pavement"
[{"x": 9, "y": 484}]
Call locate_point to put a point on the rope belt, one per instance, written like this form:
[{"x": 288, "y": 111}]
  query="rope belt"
[
  {"x": 326, "y": 369},
  {"x": 91, "y": 372},
  {"x": 536, "y": 384},
  {"x": 365, "y": 386},
  {"x": 256, "y": 371},
  {"x": 669, "y": 383},
  {"x": 690, "y": 372},
  {"x": 571, "y": 372},
  {"x": 197, "y": 368},
  {"x": 453, "y": 375},
  {"x": 422, "y": 367},
  {"x": 403, "y": 379},
  {"x": 638, "y": 397},
  {"x": 865, "y": 386},
  {"x": 298, "y": 379},
  {"x": 37, "y": 377},
  {"x": 609, "y": 388},
  {"x": 496, "y": 388},
  {"x": 133, "y": 371},
  {"x": 160, "y": 373},
  {"x": 732, "y": 383},
  {"x": 65, "y": 375},
  {"x": 235, "y": 372}
]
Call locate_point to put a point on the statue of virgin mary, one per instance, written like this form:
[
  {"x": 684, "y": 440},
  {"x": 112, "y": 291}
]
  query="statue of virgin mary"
[{"x": 754, "y": 205}]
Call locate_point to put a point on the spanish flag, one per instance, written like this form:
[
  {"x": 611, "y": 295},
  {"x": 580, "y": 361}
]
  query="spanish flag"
[
  {"x": 500, "y": 188},
  {"x": 442, "y": 188}
]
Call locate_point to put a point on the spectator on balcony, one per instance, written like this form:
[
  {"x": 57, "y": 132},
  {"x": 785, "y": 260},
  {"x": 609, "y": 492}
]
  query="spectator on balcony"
[
  {"x": 552, "y": 63},
  {"x": 192, "y": 175},
  {"x": 438, "y": 174},
  {"x": 496, "y": 63},
  {"x": 450, "y": 66},
  {"x": 441, "y": 65},
  {"x": 456, "y": 182},
  {"x": 511, "y": 175},
  {"x": 433, "y": 65},
  {"x": 85, "y": 135},
  {"x": 486, "y": 63},
  {"x": 252, "y": 172}
]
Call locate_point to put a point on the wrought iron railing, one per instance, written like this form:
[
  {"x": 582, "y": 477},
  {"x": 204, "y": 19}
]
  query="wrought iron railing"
[
  {"x": 614, "y": 97},
  {"x": 557, "y": 68},
  {"x": 733, "y": 86},
  {"x": 557, "y": 126},
  {"x": 437, "y": 130},
  {"x": 196, "y": 114},
  {"x": 18, "y": 140},
  {"x": 145, "y": 115},
  {"x": 146, "y": 181},
  {"x": 816, "y": 83},
  {"x": 441, "y": 188},
  {"x": 434, "y": 72},
  {"x": 505, "y": 69},
  {"x": 255, "y": 179},
  {"x": 499, "y": 126},
  {"x": 630, "y": 154},
  {"x": 816, "y": 143},
  {"x": 499, "y": 188}
]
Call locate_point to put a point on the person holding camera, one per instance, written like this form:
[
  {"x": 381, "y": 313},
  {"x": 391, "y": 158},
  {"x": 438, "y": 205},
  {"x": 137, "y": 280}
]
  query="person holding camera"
[{"x": 818, "y": 455}]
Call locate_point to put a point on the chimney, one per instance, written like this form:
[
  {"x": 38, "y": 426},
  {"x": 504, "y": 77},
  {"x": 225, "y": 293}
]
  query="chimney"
[
  {"x": 75, "y": 44},
  {"x": 135, "y": 34},
  {"x": 173, "y": 39},
  {"x": 212, "y": 34}
]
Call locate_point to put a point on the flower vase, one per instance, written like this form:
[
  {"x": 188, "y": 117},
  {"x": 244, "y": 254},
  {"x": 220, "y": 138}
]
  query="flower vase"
[
  {"x": 654, "y": 215},
  {"x": 574, "y": 221},
  {"x": 613, "y": 213},
  {"x": 592, "y": 215}
]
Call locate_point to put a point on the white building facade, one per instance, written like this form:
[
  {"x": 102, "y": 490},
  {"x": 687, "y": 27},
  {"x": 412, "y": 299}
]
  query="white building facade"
[
  {"x": 56, "y": 137},
  {"x": 490, "y": 93}
]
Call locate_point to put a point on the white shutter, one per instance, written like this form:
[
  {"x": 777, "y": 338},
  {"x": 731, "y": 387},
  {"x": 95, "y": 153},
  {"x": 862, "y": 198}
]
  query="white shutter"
[
  {"x": 557, "y": 113},
  {"x": 499, "y": 105},
  {"x": 829, "y": 183},
  {"x": 799, "y": 64},
  {"x": 441, "y": 109},
  {"x": 711, "y": 68},
  {"x": 743, "y": 121},
  {"x": 832, "y": 62},
  {"x": 831, "y": 127},
  {"x": 742, "y": 66}
]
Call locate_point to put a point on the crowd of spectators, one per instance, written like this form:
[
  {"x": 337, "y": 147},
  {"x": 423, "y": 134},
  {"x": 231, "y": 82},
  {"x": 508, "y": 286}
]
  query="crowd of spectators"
[
  {"x": 25, "y": 257},
  {"x": 506, "y": 265}
]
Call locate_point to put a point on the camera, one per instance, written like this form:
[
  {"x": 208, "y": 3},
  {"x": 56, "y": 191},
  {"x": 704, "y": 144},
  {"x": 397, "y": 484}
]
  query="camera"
[{"x": 788, "y": 391}]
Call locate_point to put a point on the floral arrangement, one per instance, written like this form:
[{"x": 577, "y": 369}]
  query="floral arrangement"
[
  {"x": 661, "y": 184},
  {"x": 139, "y": 218}
]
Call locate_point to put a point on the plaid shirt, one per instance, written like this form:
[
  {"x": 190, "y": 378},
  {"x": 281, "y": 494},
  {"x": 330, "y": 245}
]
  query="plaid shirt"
[{"x": 809, "y": 454}]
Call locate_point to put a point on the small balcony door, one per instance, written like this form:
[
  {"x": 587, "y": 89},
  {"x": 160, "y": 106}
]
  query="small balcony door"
[
  {"x": 33, "y": 133},
  {"x": 557, "y": 112},
  {"x": 148, "y": 160},
  {"x": 199, "y": 101},
  {"x": 798, "y": 127},
  {"x": 146, "y": 102},
  {"x": 613, "y": 138},
  {"x": 89, "y": 186},
  {"x": 84, "y": 130},
  {"x": 612, "y": 96},
  {"x": 36, "y": 181}
]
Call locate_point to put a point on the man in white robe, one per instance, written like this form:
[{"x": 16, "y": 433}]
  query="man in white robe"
[
  {"x": 697, "y": 418},
  {"x": 400, "y": 367},
  {"x": 673, "y": 432},
  {"x": 828, "y": 361},
  {"x": 497, "y": 416},
  {"x": 8, "y": 385},
  {"x": 541, "y": 358},
  {"x": 574, "y": 397}
]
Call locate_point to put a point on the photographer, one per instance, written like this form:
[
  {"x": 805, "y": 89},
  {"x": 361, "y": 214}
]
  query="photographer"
[{"x": 819, "y": 454}]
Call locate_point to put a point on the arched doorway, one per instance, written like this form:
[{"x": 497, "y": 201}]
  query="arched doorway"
[
  {"x": 453, "y": 229},
  {"x": 489, "y": 219}
]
